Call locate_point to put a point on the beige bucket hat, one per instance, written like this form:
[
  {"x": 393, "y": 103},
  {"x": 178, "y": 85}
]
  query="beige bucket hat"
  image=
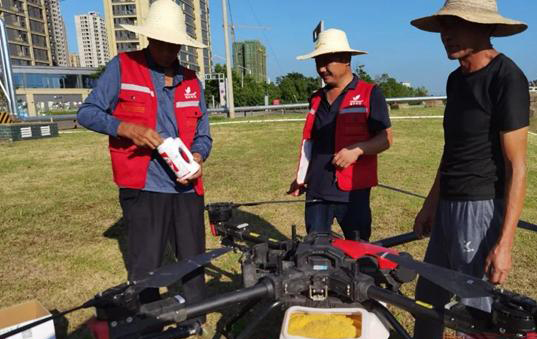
[
  {"x": 165, "y": 22},
  {"x": 331, "y": 41},
  {"x": 477, "y": 11}
]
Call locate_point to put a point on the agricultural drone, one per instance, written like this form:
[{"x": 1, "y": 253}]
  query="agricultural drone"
[{"x": 318, "y": 270}]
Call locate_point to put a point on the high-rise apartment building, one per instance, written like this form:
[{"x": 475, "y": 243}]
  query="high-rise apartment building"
[
  {"x": 27, "y": 32},
  {"x": 92, "y": 40},
  {"x": 133, "y": 12},
  {"x": 57, "y": 33},
  {"x": 74, "y": 60},
  {"x": 250, "y": 58}
]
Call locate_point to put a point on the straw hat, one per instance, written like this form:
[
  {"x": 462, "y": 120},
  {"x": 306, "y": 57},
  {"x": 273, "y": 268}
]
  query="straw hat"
[
  {"x": 331, "y": 41},
  {"x": 165, "y": 22},
  {"x": 477, "y": 11}
]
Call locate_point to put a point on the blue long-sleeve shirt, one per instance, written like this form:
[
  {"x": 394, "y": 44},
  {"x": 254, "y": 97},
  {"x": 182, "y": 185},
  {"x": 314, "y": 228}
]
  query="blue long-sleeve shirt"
[{"x": 96, "y": 114}]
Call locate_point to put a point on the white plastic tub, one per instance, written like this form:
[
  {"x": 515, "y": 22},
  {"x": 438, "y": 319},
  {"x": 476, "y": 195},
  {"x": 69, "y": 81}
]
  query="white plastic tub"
[{"x": 371, "y": 326}]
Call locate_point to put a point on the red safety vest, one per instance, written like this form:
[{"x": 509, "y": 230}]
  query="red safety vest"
[
  {"x": 351, "y": 127},
  {"x": 138, "y": 104}
]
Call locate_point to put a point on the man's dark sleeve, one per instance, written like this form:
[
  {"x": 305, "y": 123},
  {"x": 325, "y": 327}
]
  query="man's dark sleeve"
[
  {"x": 513, "y": 105},
  {"x": 379, "y": 117}
]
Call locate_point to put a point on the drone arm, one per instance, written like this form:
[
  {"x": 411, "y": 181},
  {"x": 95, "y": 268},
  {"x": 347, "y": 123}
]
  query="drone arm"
[
  {"x": 245, "y": 235},
  {"x": 262, "y": 289},
  {"x": 404, "y": 303},
  {"x": 457, "y": 316},
  {"x": 172, "y": 310}
]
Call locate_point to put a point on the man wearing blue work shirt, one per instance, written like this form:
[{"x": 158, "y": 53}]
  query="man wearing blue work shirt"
[{"x": 141, "y": 98}]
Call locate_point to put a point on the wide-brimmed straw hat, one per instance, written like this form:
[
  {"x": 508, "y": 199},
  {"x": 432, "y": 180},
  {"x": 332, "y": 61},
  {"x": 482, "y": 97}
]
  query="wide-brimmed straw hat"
[
  {"x": 331, "y": 41},
  {"x": 165, "y": 22},
  {"x": 477, "y": 11}
]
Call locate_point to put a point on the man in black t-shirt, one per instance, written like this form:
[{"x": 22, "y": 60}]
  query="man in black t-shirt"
[
  {"x": 476, "y": 200},
  {"x": 347, "y": 126}
]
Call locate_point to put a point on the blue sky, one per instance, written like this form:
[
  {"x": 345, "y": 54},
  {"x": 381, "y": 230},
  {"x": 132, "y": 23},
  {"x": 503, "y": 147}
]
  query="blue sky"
[{"x": 380, "y": 27}]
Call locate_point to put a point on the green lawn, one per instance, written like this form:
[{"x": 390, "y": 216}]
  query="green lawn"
[{"x": 61, "y": 242}]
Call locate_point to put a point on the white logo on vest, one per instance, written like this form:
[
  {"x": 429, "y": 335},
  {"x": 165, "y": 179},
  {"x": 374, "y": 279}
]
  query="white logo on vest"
[
  {"x": 189, "y": 95},
  {"x": 356, "y": 101}
]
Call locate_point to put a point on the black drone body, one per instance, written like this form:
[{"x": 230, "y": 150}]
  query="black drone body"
[{"x": 316, "y": 271}]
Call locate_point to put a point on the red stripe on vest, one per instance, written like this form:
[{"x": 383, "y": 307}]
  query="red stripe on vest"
[
  {"x": 351, "y": 127},
  {"x": 138, "y": 104}
]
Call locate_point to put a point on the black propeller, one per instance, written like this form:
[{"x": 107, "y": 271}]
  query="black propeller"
[
  {"x": 169, "y": 274},
  {"x": 125, "y": 293},
  {"x": 460, "y": 284},
  {"x": 274, "y": 202},
  {"x": 521, "y": 223}
]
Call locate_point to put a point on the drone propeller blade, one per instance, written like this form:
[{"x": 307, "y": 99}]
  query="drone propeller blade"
[
  {"x": 460, "y": 284},
  {"x": 167, "y": 275},
  {"x": 267, "y": 202},
  {"x": 527, "y": 226},
  {"x": 397, "y": 240}
]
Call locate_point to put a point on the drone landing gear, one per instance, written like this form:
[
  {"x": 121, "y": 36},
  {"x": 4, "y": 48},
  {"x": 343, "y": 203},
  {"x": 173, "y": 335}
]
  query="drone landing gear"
[{"x": 261, "y": 315}]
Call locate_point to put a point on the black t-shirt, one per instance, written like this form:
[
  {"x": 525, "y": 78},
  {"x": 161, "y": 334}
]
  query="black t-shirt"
[
  {"x": 321, "y": 173},
  {"x": 479, "y": 106}
]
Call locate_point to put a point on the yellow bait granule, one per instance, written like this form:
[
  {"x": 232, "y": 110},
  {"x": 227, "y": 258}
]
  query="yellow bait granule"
[{"x": 321, "y": 326}]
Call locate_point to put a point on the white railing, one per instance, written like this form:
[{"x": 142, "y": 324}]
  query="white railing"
[{"x": 268, "y": 108}]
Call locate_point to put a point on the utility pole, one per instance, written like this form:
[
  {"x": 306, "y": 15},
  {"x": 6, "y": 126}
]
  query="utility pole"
[{"x": 229, "y": 92}]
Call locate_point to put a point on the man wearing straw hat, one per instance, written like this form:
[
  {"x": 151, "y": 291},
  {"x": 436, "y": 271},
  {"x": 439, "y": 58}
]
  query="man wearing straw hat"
[
  {"x": 347, "y": 126},
  {"x": 476, "y": 200},
  {"x": 141, "y": 98}
]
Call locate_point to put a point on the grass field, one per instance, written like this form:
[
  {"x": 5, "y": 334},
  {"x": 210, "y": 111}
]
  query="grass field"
[{"x": 60, "y": 229}]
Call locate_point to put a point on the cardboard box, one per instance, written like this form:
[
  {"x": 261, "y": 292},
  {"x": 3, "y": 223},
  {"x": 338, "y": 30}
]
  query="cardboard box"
[{"x": 16, "y": 316}]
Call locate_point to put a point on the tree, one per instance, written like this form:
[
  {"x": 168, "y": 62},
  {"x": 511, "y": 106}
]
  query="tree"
[
  {"x": 395, "y": 89},
  {"x": 362, "y": 74},
  {"x": 246, "y": 90},
  {"x": 391, "y": 88},
  {"x": 295, "y": 87}
]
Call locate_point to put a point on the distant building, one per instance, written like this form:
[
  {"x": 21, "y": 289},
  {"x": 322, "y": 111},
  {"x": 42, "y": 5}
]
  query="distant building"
[
  {"x": 27, "y": 32},
  {"x": 44, "y": 89},
  {"x": 92, "y": 40},
  {"x": 250, "y": 58},
  {"x": 57, "y": 33},
  {"x": 74, "y": 60},
  {"x": 132, "y": 12}
]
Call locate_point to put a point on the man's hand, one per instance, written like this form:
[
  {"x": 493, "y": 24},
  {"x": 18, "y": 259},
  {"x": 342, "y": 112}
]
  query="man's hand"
[
  {"x": 423, "y": 224},
  {"x": 140, "y": 135},
  {"x": 295, "y": 189},
  {"x": 347, "y": 156},
  {"x": 498, "y": 264},
  {"x": 199, "y": 159}
]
